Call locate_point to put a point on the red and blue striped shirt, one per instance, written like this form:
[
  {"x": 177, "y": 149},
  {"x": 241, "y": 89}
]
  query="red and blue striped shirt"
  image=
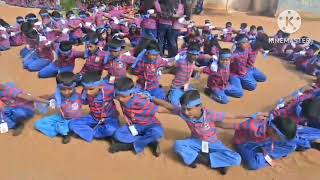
[
  {"x": 251, "y": 130},
  {"x": 252, "y": 57},
  {"x": 117, "y": 67},
  {"x": 219, "y": 79},
  {"x": 9, "y": 95},
  {"x": 94, "y": 62},
  {"x": 184, "y": 72},
  {"x": 44, "y": 50},
  {"x": 75, "y": 27},
  {"x": 148, "y": 73},
  {"x": 101, "y": 106},
  {"x": 290, "y": 108},
  {"x": 204, "y": 128},
  {"x": 238, "y": 64},
  {"x": 69, "y": 60},
  {"x": 140, "y": 111},
  {"x": 71, "y": 108}
]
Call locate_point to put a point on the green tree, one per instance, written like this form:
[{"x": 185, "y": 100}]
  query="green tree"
[{"x": 68, "y": 4}]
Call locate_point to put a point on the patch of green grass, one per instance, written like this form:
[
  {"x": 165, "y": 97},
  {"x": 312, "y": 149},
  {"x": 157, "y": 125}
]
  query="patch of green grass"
[{"x": 68, "y": 4}]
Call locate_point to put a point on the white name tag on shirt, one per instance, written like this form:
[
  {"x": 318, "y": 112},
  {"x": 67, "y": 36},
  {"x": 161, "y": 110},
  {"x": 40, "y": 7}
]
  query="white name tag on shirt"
[
  {"x": 205, "y": 147},
  {"x": 52, "y": 103},
  {"x": 186, "y": 87},
  {"x": 75, "y": 106},
  {"x": 65, "y": 30},
  {"x": 268, "y": 159},
  {"x": 4, "y": 127},
  {"x": 133, "y": 130},
  {"x": 112, "y": 79},
  {"x": 88, "y": 24},
  {"x": 97, "y": 59}
]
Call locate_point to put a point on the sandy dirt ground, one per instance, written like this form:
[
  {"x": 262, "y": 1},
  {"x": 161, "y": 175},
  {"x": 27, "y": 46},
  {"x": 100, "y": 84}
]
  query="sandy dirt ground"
[{"x": 33, "y": 156}]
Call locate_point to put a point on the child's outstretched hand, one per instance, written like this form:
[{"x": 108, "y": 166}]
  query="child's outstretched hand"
[{"x": 2, "y": 105}]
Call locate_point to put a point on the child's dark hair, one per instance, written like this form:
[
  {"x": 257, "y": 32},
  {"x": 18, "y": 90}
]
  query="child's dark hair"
[
  {"x": 115, "y": 43},
  {"x": 43, "y": 11},
  {"x": 4, "y": 23},
  {"x": 69, "y": 13},
  {"x": 259, "y": 28},
  {"x": 286, "y": 126},
  {"x": 142, "y": 45},
  {"x": 124, "y": 84},
  {"x": 65, "y": 78},
  {"x": 243, "y": 25},
  {"x": 30, "y": 15},
  {"x": 153, "y": 45},
  {"x": 91, "y": 77},
  {"x": 91, "y": 37},
  {"x": 225, "y": 51},
  {"x": 55, "y": 14},
  {"x": 26, "y": 27},
  {"x": 240, "y": 36},
  {"x": 212, "y": 42},
  {"x": 189, "y": 96},
  {"x": 32, "y": 18},
  {"x": 256, "y": 45},
  {"x": 65, "y": 46},
  {"x": 20, "y": 19},
  {"x": 229, "y": 24},
  {"x": 33, "y": 34},
  {"x": 194, "y": 47},
  {"x": 253, "y": 27},
  {"x": 264, "y": 39},
  {"x": 310, "y": 109}
]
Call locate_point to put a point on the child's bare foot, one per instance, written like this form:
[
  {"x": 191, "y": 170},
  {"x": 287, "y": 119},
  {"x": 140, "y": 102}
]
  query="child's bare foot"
[
  {"x": 223, "y": 170},
  {"x": 117, "y": 147},
  {"x": 18, "y": 129},
  {"x": 316, "y": 144},
  {"x": 66, "y": 139},
  {"x": 155, "y": 148}
]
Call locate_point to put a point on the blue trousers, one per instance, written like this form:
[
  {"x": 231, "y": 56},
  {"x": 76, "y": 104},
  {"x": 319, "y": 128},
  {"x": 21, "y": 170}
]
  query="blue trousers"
[
  {"x": 306, "y": 136},
  {"x": 219, "y": 154},
  {"x": 52, "y": 70},
  {"x": 146, "y": 136},
  {"x": 258, "y": 75},
  {"x": 15, "y": 115},
  {"x": 175, "y": 94},
  {"x": 253, "y": 156},
  {"x": 24, "y": 51},
  {"x": 3, "y": 48},
  {"x": 74, "y": 39},
  {"x": 233, "y": 90},
  {"x": 164, "y": 33},
  {"x": 29, "y": 58},
  {"x": 53, "y": 125},
  {"x": 88, "y": 128},
  {"x": 38, "y": 64},
  {"x": 173, "y": 42},
  {"x": 159, "y": 93},
  {"x": 249, "y": 81},
  {"x": 222, "y": 95},
  {"x": 150, "y": 33}
]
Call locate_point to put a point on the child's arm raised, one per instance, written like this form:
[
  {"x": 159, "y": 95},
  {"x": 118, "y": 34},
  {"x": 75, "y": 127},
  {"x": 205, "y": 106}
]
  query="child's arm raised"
[
  {"x": 226, "y": 125},
  {"x": 29, "y": 97},
  {"x": 244, "y": 116},
  {"x": 165, "y": 107}
]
